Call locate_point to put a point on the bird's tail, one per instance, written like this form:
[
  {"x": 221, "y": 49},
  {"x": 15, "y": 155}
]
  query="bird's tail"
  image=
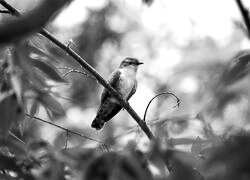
[{"x": 97, "y": 123}]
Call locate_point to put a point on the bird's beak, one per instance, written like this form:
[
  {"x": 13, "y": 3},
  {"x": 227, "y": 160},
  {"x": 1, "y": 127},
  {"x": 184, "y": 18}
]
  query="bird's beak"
[{"x": 140, "y": 63}]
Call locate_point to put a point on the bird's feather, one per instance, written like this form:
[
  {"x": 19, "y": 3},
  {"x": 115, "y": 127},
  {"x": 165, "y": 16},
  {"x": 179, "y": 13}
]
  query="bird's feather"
[
  {"x": 107, "y": 110},
  {"x": 113, "y": 81},
  {"x": 132, "y": 91}
]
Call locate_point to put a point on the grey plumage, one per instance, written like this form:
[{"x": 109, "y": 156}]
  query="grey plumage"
[{"x": 124, "y": 81}]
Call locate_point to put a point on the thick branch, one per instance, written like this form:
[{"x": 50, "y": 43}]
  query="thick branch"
[
  {"x": 30, "y": 22},
  {"x": 245, "y": 15},
  {"x": 99, "y": 78}
]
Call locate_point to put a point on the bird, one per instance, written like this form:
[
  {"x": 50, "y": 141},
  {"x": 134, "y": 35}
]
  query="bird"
[{"x": 123, "y": 80}]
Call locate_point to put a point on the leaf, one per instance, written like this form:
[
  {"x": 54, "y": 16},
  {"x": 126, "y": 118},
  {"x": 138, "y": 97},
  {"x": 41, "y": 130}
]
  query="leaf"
[
  {"x": 15, "y": 147},
  {"x": 23, "y": 61},
  {"x": 15, "y": 79},
  {"x": 231, "y": 157},
  {"x": 196, "y": 146},
  {"x": 48, "y": 70},
  {"x": 188, "y": 159},
  {"x": 238, "y": 68},
  {"x": 34, "y": 108},
  {"x": 77, "y": 156},
  {"x": 10, "y": 163},
  {"x": 36, "y": 45},
  {"x": 182, "y": 165},
  {"x": 11, "y": 111},
  {"x": 38, "y": 145},
  {"x": 148, "y": 2},
  {"x": 52, "y": 104},
  {"x": 114, "y": 166},
  {"x": 17, "y": 86}
]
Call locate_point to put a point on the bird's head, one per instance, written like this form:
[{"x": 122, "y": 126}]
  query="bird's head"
[{"x": 130, "y": 63}]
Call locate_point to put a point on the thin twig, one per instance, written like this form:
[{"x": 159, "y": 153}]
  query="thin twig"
[
  {"x": 66, "y": 140},
  {"x": 92, "y": 71},
  {"x": 80, "y": 72},
  {"x": 245, "y": 15},
  {"x": 5, "y": 12},
  {"x": 164, "y": 93},
  {"x": 75, "y": 71},
  {"x": 17, "y": 138},
  {"x": 63, "y": 128}
]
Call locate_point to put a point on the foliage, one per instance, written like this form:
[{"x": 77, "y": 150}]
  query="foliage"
[{"x": 30, "y": 82}]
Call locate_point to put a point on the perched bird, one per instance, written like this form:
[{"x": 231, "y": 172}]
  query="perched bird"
[{"x": 122, "y": 80}]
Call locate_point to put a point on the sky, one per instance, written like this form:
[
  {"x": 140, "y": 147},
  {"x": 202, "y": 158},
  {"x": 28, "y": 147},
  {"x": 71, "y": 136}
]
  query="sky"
[{"x": 212, "y": 17}]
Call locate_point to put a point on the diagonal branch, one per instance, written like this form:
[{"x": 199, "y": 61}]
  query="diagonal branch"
[
  {"x": 12, "y": 10},
  {"x": 98, "y": 77},
  {"x": 245, "y": 15}
]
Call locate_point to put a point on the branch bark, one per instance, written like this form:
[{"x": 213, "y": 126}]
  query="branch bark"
[
  {"x": 92, "y": 71},
  {"x": 245, "y": 15}
]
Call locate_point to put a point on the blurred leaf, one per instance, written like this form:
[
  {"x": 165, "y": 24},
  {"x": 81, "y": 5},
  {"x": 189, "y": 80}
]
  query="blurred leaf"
[
  {"x": 184, "y": 141},
  {"x": 77, "y": 157},
  {"x": 196, "y": 146},
  {"x": 182, "y": 165},
  {"x": 15, "y": 76},
  {"x": 185, "y": 157},
  {"x": 21, "y": 59},
  {"x": 38, "y": 144},
  {"x": 51, "y": 167},
  {"x": 36, "y": 45},
  {"x": 52, "y": 104},
  {"x": 10, "y": 163},
  {"x": 112, "y": 166},
  {"x": 232, "y": 156},
  {"x": 178, "y": 126},
  {"x": 11, "y": 111},
  {"x": 148, "y": 2},
  {"x": 238, "y": 68},
  {"x": 223, "y": 98},
  {"x": 15, "y": 147},
  {"x": 48, "y": 70},
  {"x": 34, "y": 108},
  {"x": 17, "y": 86}
]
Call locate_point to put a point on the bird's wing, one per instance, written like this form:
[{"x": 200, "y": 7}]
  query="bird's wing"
[
  {"x": 132, "y": 91},
  {"x": 113, "y": 79}
]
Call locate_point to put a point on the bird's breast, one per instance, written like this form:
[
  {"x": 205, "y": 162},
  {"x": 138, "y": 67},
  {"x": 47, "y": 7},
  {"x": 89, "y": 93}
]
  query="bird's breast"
[{"x": 126, "y": 84}]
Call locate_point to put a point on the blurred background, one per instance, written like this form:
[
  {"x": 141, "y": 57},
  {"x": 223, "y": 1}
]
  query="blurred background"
[{"x": 188, "y": 48}]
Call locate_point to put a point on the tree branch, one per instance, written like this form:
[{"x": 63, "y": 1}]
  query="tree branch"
[
  {"x": 12, "y": 10},
  {"x": 99, "y": 78},
  {"x": 245, "y": 15}
]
